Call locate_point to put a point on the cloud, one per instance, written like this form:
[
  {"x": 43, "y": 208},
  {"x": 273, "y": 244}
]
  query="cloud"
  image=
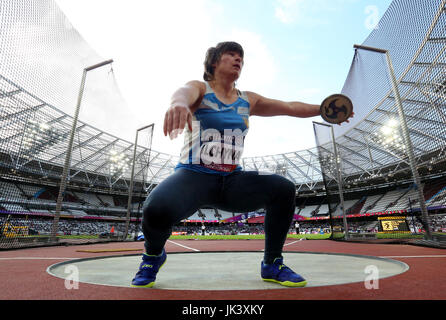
[
  {"x": 260, "y": 69},
  {"x": 288, "y": 11},
  {"x": 304, "y": 12},
  {"x": 155, "y": 51},
  {"x": 160, "y": 48},
  {"x": 283, "y": 16},
  {"x": 277, "y": 135}
]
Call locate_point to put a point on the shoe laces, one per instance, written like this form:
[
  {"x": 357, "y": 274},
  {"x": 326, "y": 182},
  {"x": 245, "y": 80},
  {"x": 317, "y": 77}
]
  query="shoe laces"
[{"x": 283, "y": 268}]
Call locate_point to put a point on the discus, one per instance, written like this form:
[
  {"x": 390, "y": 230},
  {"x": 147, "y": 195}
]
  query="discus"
[{"x": 336, "y": 108}]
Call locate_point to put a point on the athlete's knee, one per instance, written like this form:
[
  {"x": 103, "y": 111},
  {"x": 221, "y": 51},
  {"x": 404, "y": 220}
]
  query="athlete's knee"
[
  {"x": 285, "y": 188},
  {"x": 157, "y": 214}
]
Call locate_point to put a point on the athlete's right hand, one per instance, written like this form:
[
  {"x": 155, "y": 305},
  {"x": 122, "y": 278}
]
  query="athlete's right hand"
[{"x": 175, "y": 120}]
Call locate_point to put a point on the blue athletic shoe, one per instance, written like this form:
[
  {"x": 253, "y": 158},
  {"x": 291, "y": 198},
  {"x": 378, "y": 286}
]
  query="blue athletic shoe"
[
  {"x": 279, "y": 273},
  {"x": 149, "y": 267}
]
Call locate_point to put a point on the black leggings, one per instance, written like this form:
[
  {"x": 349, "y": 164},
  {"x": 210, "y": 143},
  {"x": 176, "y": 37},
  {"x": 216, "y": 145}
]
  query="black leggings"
[{"x": 184, "y": 192}]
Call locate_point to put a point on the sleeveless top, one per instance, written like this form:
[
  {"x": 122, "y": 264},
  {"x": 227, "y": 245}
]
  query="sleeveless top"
[{"x": 215, "y": 144}]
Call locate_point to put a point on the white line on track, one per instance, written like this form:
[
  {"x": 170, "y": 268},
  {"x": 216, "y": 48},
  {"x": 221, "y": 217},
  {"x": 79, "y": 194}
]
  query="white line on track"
[
  {"x": 432, "y": 256},
  {"x": 36, "y": 258},
  {"x": 292, "y": 242},
  {"x": 289, "y": 243},
  {"x": 183, "y": 246}
]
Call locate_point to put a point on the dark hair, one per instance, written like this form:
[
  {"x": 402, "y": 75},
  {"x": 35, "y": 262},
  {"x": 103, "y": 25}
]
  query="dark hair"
[{"x": 213, "y": 55}]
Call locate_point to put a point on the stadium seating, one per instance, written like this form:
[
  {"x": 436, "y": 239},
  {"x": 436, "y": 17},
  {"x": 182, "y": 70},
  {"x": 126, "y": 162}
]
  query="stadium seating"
[
  {"x": 8, "y": 188},
  {"x": 323, "y": 209},
  {"x": 403, "y": 203},
  {"x": 388, "y": 198},
  {"x": 307, "y": 211},
  {"x": 82, "y": 205},
  {"x": 195, "y": 216},
  {"x": 88, "y": 198},
  {"x": 31, "y": 191},
  {"x": 225, "y": 214},
  {"x": 370, "y": 203},
  {"x": 347, "y": 204},
  {"x": 437, "y": 198}
]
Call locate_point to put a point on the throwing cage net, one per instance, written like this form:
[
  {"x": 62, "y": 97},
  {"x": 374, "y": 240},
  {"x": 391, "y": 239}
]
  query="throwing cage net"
[
  {"x": 140, "y": 181},
  {"x": 61, "y": 179},
  {"x": 387, "y": 165},
  {"x": 392, "y": 154},
  {"x": 331, "y": 161}
]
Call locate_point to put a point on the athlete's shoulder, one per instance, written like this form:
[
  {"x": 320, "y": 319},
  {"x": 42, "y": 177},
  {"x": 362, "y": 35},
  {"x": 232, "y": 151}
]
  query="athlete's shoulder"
[
  {"x": 252, "y": 97},
  {"x": 197, "y": 84}
]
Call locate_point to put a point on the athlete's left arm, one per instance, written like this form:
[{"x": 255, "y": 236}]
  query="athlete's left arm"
[{"x": 266, "y": 107}]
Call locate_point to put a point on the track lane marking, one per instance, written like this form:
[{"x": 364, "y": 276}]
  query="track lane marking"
[
  {"x": 178, "y": 244},
  {"x": 37, "y": 258},
  {"x": 292, "y": 242},
  {"x": 287, "y": 244},
  {"x": 426, "y": 256}
]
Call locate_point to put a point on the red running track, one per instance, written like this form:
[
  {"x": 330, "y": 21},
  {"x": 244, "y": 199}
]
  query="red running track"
[{"x": 23, "y": 273}]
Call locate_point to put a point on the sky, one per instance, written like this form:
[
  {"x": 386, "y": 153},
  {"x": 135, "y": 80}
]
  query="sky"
[{"x": 295, "y": 50}]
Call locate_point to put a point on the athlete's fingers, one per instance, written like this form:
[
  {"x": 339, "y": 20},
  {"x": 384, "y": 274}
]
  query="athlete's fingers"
[
  {"x": 175, "y": 122},
  {"x": 189, "y": 121},
  {"x": 183, "y": 120},
  {"x": 169, "y": 121},
  {"x": 186, "y": 119},
  {"x": 348, "y": 121},
  {"x": 165, "y": 124}
]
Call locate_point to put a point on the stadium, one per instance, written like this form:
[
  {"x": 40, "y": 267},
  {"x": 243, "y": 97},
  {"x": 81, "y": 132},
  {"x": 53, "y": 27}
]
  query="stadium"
[{"x": 374, "y": 188}]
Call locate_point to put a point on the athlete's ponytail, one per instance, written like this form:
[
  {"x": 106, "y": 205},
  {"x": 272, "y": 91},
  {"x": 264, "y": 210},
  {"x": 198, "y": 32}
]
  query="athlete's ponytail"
[{"x": 208, "y": 62}]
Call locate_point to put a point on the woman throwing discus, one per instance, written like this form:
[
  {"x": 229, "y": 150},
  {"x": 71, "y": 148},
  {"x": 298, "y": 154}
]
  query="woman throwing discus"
[{"x": 214, "y": 116}]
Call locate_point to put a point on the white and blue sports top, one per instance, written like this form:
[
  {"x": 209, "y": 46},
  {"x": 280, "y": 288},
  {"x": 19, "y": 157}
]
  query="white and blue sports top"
[{"x": 215, "y": 144}]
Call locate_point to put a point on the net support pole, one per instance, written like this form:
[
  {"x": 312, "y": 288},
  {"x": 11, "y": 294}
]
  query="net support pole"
[
  {"x": 63, "y": 180},
  {"x": 129, "y": 201},
  {"x": 130, "y": 196},
  {"x": 339, "y": 178},
  {"x": 406, "y": 136}
]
